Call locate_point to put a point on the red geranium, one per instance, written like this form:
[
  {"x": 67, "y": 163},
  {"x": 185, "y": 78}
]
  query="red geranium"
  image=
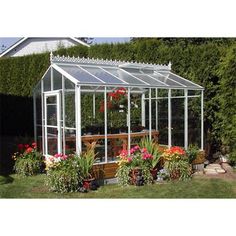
[
  {"x": 20, "y": 146},
  {"x": 29, "y": 150}
]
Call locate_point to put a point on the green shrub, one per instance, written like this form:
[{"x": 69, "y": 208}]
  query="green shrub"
[{"x": 63, "y": 173}]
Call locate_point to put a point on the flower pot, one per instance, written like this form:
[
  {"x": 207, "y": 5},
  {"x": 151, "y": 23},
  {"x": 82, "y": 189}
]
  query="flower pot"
[
  {"x": 154, "y": 173},
  {"x": 87, "y": 183},
  {"x": 137, "y": 177}
]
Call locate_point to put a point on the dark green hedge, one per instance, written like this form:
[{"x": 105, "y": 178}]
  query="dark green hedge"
[{"x": 204, "y": 61}]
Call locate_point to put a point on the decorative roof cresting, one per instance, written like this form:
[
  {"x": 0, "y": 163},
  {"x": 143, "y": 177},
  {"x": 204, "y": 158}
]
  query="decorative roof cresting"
[{"x": 106, "y": 62}]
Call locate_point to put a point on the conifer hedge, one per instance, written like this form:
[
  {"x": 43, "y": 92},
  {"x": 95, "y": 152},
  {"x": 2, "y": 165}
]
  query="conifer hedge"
[{"x": 208, "y": 62}]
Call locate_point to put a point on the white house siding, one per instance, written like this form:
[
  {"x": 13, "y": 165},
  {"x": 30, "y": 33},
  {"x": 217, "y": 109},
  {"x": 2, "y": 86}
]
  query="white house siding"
[{"x": 39, "y": 45}]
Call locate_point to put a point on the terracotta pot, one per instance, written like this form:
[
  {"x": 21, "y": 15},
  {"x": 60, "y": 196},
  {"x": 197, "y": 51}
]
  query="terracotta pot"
[{"x": 154, "y": 173}]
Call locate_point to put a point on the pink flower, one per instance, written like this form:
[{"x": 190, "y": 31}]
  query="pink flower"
[
  {"x": 129, "y": 159},
  {"x": 144, "y": 150},
  {"x": 34, "y": 145}
]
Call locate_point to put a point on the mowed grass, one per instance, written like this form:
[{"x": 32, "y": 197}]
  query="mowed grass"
[{"x": 34, "y": 187}]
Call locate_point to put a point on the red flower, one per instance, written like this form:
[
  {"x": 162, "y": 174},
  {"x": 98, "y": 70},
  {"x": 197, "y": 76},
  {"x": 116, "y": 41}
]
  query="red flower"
[
  {"x": 20, "y": 146},
  {"x": 34, "y": 145},
  {"x": 26, "y": 145},
  {"x": 29, "y": 150}
]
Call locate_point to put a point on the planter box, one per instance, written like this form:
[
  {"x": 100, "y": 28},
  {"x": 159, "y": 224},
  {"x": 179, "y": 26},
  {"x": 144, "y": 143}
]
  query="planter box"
[
  {"x": 200, "y": 158},
  {"x": 198, "y": 167}
]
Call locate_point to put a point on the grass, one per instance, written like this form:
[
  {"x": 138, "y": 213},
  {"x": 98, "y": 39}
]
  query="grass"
[{"x": 34, "y": 187}]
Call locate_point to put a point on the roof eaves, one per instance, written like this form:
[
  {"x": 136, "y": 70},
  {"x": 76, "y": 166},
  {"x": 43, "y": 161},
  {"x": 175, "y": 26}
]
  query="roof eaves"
[{"x": 13, "y": 46}]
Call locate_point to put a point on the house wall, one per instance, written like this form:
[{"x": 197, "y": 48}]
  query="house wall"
[{"x": 40, "y": 45}]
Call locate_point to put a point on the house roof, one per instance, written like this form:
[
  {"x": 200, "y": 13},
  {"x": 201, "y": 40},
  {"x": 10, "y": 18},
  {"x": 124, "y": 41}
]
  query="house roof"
[
  {"x": 20, "y": 41},
  {"x": 98, "y": 72}
]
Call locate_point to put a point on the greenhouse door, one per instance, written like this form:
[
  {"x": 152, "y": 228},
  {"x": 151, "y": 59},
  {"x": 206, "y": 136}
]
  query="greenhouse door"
[{"x": 52, "y": 123}]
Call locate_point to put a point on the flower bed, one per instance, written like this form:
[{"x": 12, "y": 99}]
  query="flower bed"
[{"x": 28, "y": 161}]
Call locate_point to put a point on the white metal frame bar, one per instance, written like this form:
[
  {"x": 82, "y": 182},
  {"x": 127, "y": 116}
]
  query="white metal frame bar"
[
  {"x": 186, "y": 119},
  {"x": 169, "y": 118},
  {"x": 150, "y": 114},
  {"x": 202, "y": 120},
  {"x": 156, "y": 102},
  {"x": 105, "y": 120},
  {"x": 128, "y": 121},
  {"x": 63, "y": 114},
  {"x": 143, "y": 110},
  {"x": 78, "y": 119},
  {"x": 94, "y": 105}
]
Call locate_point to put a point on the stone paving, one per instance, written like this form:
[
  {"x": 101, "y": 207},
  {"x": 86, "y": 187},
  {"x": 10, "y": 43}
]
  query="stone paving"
[{"x": 223, "y": 170}]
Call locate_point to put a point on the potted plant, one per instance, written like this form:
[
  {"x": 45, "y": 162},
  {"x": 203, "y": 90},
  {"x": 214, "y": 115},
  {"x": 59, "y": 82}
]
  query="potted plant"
[
  {"x": 134, "y": 168},
  {"x": 176, "y": 163},
  {"x": 85, "y": 163},
  {"x": 153, "y": 148}
]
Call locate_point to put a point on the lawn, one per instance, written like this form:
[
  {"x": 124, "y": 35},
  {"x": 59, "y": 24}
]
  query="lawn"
[{"x": 34, "y": 187}]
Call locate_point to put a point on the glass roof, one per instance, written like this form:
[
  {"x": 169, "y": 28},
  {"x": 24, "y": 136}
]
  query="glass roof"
[{"x": 105, "y": 73}]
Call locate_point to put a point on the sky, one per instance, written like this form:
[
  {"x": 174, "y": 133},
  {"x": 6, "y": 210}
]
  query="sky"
[{"x": 9, "y": 41}]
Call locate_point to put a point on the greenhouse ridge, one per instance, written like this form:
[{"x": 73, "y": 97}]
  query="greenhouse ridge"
[{"x": 86, "y": 71}]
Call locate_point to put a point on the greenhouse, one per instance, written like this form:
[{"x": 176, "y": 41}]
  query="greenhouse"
[{"x": 115, "y": 104}]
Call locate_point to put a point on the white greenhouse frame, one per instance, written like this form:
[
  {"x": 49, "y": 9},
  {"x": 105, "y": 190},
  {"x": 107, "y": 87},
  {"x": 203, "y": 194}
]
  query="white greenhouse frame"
[{"x": 132, "y": 76}]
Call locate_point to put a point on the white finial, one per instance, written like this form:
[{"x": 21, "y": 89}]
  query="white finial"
[
  {"x": 169, "y": 65},
  {"x": 51, "y": 57}
]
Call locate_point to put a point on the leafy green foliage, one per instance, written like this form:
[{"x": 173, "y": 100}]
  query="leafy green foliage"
[
  {"x": 86, "y": 161},
  {"x": 153, "y": 148}
]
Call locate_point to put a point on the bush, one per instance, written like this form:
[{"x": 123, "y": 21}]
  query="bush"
[
  {"x": 28, "y": 161},
  {"x": 63, "y": 173}
]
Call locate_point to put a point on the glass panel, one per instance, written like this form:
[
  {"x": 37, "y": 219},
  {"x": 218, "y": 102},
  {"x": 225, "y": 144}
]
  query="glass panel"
[
  {"x": 70, "y": 141},
  {"x": 79, "y": 74},
  {"x": 68, "y": 84},
  {"x": 177, "y": 121},
  {"x": 145, "y": 78},
  {"x": 178, "y": 79},
  {"x": 124, "y": 76},
  {"x": 47, "y": 81},
  {"x": 165, "y": 80},
  {"x": 117, "y": 127},
  {"x": 52, "y": 139},
  {"x": 69, "y": 109},
  {"x": 103, "y": 75},
  {"x": 163, "y": 121},
  {"x": 57, "y": 80},
  {"x": 92, "y": 123},
  {"x": 194, "y": 121},
  {"x": 51, "y": 112}
]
